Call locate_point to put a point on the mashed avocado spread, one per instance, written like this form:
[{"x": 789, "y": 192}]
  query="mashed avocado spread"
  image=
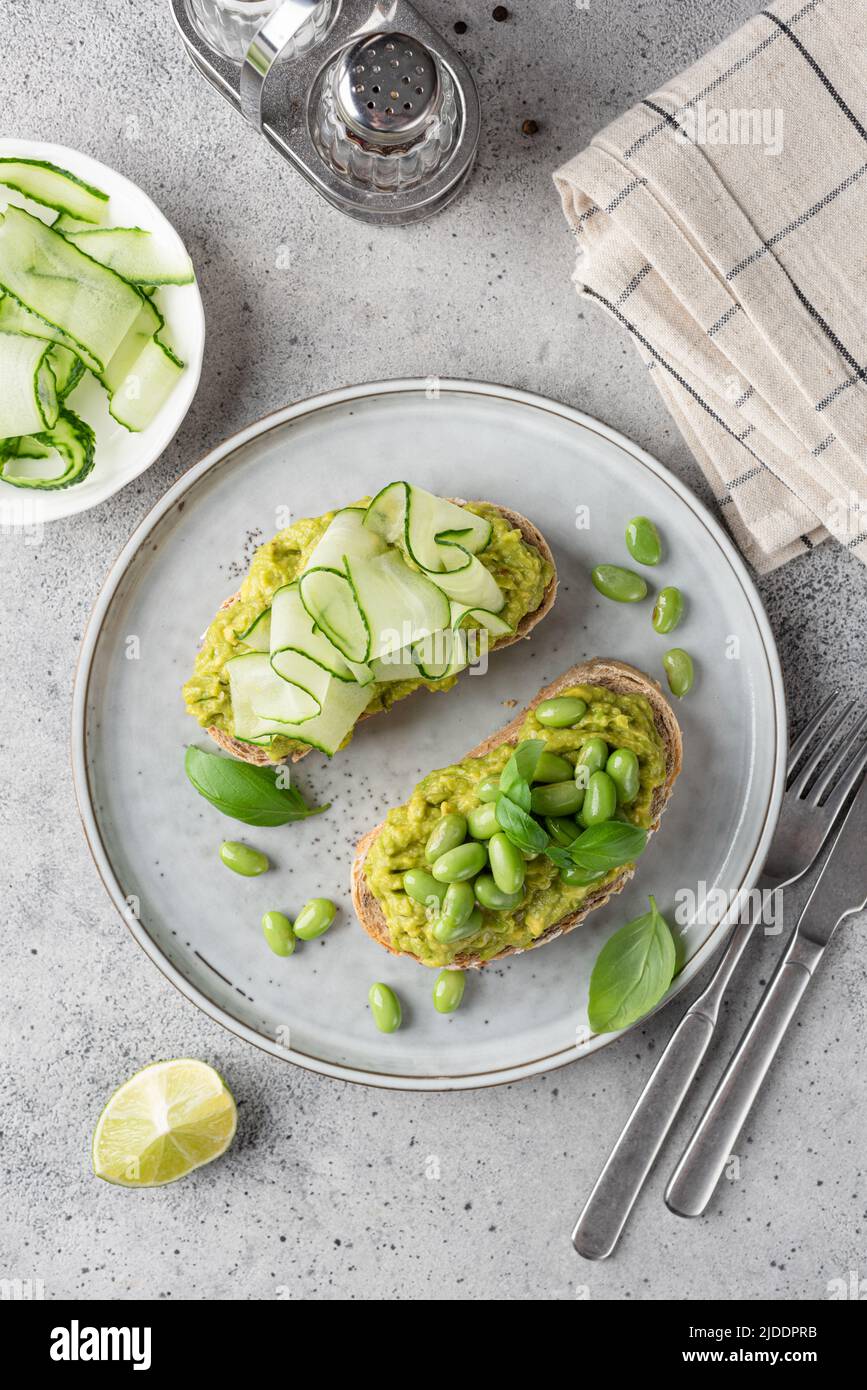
[
  {"x": 520, "y": 570},
  {"x": 624, "y": 721}
]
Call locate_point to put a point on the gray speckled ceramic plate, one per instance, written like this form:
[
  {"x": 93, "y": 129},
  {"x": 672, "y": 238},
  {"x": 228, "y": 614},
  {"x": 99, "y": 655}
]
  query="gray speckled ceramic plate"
[{"x": 155, "y": 841}]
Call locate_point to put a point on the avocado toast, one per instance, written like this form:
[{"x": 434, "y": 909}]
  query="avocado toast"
[
  {"x": 514, "y": 564},
  {"x": 623, "y": 707}
]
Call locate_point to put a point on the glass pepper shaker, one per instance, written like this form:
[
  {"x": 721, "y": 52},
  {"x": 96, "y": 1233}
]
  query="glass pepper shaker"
[{"x": 387, "y": 115}]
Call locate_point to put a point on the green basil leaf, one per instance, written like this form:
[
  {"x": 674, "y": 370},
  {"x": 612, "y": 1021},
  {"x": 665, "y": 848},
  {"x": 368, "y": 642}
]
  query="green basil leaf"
[
  {"x": 244, "y": 792},
  {"x": 632, "y": 972},
  {"x": 607, "y": 846},
  {"x": 524, "y": 832},
  {"x": 520, "y": 770},
  {"x": 559, "y": 856}
]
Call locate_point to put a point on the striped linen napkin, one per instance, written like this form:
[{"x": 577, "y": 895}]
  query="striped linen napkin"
[{"x": 723, "y": 222}]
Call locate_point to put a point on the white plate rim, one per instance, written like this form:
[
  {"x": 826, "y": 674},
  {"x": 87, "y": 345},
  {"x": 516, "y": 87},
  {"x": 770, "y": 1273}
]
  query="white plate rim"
[
  {"x": 78, "y": 746},
  {"x": 55, "y": 506}
]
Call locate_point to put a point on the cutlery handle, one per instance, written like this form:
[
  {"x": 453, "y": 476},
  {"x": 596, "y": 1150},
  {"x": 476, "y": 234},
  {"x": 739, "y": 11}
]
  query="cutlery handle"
[
  {"x": 607, "y": 1209},
  {"x": 705, "y": 1156}
]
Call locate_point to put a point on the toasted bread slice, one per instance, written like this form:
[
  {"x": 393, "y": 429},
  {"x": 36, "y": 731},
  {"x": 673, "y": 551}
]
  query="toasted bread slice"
[
  {"x": 251, "y": 754},
  {"x": 616, "y": 676}
]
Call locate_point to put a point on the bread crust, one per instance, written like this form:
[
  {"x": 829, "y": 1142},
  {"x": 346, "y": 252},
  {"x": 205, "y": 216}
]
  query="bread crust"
[
  {"x": 616, "y": 676},
  {"x": 249, "y": 753}
]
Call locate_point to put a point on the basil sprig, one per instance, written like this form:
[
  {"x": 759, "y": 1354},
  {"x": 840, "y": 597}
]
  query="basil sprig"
[
  {"x": 607, "y": 846},
  {"x": 559, "y": 856},
  {"x": 632, "y": 972},
  {"x": 513, "y": 802},
  {"x": 524, "y": 832},
  {"x": 246, "y": 793},
  {"x": 520, "y": 770}
]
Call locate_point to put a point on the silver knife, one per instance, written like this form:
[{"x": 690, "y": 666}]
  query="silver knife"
[{"x": 840, "y": 890}]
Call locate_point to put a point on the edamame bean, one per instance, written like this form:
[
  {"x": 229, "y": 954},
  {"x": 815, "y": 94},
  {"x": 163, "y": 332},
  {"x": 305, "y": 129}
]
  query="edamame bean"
[
  {"x": 421, "y": 886},
  {"x": 449, "y": 832},
  {"x": 624, "y": 586},
  {"x": 668, "y": 609},
  {"x": 458, "y": 904},
  {"x": 488, "y": 789},
  {"x": 552, "y": 768},
  {"x": 448, "y": 990},
  {"x": 314, "y": 919},
  {"x": 642, "y": 541},
  {"x": 562, "y": 831},
  {"x": 385, "y": 1007},
  {"x": 492, "y": 897},
  {"x": 622, "y": 767},
  {"x": 561, "y": 712},
  {"x": 277, "y": 930},
  {"x": 600, "y": 801},
  {"x": 461, "y": 863},
  {"x": 482, "y": 821},
  {"x": 507, "y": 863},
  {"x": 242, "y": 859},
  {"x": 447, "y": 934},
  {"x": 592, "y": 758},
  {"x": 556, "y": 799},
  {"x": 577, "y": 878},
  {"x": 680, "y": 671}
]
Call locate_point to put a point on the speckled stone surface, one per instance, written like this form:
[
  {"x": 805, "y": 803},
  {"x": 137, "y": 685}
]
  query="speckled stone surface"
[{"x": 333, "y": 1191}]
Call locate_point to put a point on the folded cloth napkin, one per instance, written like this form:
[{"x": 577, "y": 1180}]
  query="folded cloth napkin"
[{"x": 722, "y": 221}]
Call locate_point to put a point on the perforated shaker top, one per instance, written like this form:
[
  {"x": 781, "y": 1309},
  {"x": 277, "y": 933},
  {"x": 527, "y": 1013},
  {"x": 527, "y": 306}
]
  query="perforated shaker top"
[{"x": 387, "y": 89}]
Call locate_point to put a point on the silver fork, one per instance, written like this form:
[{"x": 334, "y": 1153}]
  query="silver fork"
[{"x": 803, "y": 828}]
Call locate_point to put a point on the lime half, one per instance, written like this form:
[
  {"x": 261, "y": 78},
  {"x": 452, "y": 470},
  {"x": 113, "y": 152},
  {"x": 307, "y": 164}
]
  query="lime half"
[{"x": 168, "y": 1119}]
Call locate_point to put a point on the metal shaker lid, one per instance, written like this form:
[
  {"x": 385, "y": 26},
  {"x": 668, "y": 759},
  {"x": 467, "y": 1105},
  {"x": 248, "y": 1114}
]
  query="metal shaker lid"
[{"x": 387, "y": 89}]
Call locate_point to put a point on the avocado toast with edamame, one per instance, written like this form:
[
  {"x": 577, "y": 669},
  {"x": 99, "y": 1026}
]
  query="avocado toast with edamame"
[{"x": 569, "y": 866}]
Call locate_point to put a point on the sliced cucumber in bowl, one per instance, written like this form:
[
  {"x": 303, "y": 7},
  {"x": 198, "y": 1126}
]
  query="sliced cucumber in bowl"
[
  {"x": 53, "y": 187},
  {"x": 75, "y": 303},
  {"x": 147, "y": 386},
  {"x": 134, "y": 254},
  {"x": 33, "y": 464},
  {"x": 147, "y": 323},
  {"x": 28, "y": 396},
  {"x": 14, "y": 318},
  {"x": 92, "y": 305},
  {"x": 67, "y": 367}
]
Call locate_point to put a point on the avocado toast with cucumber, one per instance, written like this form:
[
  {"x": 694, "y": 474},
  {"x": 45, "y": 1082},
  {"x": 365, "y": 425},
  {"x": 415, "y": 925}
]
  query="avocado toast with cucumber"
[
  {"x": 534, "y": 829},
  {"x": 343, "y": 614}
]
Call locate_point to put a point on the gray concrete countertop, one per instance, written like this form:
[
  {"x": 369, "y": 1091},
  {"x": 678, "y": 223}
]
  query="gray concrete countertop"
[{"x": 325, "y": 1193}]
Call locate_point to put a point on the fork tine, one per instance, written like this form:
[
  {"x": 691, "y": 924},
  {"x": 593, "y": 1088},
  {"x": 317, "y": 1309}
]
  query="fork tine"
[
  {"x": 842, "y": 756},
  {"x": 847, "y": 782},
  {"x": 802, "y": 742},
  {"x": 812, "y": 763}
]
